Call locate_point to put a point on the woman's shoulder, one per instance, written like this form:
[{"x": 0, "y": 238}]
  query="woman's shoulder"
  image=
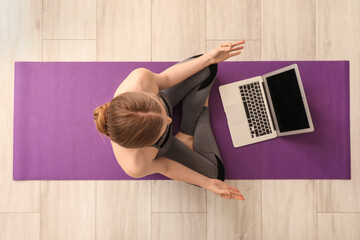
[
  {"x": 132, "y": 159},
  {"x": 135, "y": 82}
]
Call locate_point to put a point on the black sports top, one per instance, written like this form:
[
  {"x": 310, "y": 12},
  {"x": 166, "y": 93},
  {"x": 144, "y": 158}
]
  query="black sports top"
[{"x": 165, "y": 136}]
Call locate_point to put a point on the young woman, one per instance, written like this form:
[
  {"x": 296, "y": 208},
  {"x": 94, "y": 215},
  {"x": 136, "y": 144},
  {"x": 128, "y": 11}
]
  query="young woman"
[{"x": 138, "y": 122}]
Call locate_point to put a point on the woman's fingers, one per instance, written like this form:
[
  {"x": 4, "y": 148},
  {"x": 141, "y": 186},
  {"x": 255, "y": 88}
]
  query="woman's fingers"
[
  {"x": 232, "y": 49},
  {"x": 237, "y": 196},
  {"x": 236, "y": 193},
  {"x": 234, "y": 54},
  {"x": 238, "y": 48},
  {"x": 226, "y": 194},
  {"x": 239, "y": 42},
  {"x": 234, "y": 189},
  {"x": 231, "y": 45},
  {"x": 226, "y": 45},
  {"x": 225, "y": 49},
  {"x": 232, "y": 193}
]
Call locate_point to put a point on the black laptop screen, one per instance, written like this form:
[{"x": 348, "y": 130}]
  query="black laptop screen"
[{"x": 287, "y": 101}]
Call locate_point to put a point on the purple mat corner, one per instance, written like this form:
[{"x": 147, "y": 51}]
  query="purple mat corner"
[{"x": 55, "y": 137}]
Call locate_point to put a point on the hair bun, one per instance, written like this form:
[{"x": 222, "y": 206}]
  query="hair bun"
[{"x": 100, "y": 118}]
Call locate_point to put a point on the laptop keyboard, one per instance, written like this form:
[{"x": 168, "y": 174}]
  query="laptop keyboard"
[{"x": 255, "y": 109}]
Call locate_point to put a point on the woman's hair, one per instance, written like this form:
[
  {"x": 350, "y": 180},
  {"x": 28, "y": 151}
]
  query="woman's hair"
[{"x": 131, "y": 119}]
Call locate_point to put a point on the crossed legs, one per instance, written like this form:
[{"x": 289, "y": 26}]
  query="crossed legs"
[
  {"x": 194, "y": 145},
  {"x": 188, "y": 140}
]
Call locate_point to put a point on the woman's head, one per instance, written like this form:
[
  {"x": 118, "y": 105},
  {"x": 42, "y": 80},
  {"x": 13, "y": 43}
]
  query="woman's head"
[{"x": 132, "y": 119}]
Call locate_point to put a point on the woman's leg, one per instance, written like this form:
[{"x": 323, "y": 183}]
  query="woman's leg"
[
  {"x": 205, "y": 143},
  {"x": 205, "y": 158},
  {"x": 181, "y": 153},
  {"x": 179, "y": 91},
  {"x": 196, "y": 122},
  {"x": 193, "y": 102}
]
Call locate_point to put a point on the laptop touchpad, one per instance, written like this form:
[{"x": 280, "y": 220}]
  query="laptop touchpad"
[{"x": 235, "y": 114}]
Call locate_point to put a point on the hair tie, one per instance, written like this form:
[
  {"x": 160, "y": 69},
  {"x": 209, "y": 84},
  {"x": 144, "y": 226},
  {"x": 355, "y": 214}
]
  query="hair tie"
[{"x": 106, "y": 117}]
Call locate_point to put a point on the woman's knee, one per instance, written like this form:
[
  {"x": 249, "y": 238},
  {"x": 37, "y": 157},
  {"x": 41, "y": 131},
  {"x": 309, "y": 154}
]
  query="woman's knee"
[
  {"x": 217, "y": 169},
  {"x": 213, "y": 68},
  {"x": 221, "y": 169}
]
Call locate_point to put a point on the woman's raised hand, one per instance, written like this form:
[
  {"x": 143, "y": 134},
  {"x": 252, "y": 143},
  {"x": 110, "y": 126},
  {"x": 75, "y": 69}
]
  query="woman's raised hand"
[
  {"x": 224, "y": 190},
  {"x": 225, "y": 51}
]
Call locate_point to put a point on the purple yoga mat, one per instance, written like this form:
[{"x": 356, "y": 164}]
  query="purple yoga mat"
[{"x": 55, "y": 136}]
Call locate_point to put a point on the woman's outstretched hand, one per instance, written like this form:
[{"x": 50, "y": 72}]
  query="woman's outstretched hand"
[
  {"x": 225, "y": 51},
  {"x": 224, "y": 190}
]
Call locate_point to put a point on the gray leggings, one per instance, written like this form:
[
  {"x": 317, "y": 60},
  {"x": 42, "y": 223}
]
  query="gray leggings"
[{"x": 195, "y": 121}]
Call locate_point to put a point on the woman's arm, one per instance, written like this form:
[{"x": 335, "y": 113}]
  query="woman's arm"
[
  {"x": 177, "y": 171},
  {"x": 153, "y": 82},
  {"x": 171, "y": 169},
  {"x": 182, "y": 173},
  {"x": 180, "y": 72}
]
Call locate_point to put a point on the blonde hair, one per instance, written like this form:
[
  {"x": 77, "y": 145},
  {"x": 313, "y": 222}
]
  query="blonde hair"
[{"x": 131, "y": 119}]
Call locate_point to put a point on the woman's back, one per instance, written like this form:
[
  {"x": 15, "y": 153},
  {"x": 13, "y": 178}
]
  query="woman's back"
[{"x": 133, "y": 159}]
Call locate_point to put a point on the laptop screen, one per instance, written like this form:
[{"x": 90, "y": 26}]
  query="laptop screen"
[{"x": 287, "y": 101}]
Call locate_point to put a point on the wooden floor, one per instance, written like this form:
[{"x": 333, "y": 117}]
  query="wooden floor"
[{"x": 171, "y": 30}]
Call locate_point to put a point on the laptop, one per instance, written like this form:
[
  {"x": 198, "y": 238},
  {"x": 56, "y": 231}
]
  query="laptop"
[{"x": 265, "y": 107}]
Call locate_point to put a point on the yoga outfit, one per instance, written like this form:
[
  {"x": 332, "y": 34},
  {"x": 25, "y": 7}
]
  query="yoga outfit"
[{"x": 195, "y": 121}]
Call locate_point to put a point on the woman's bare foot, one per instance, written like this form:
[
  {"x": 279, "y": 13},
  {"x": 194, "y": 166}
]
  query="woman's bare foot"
[
  {"x": 188, "y": 140},
  {"x": 207, "y": 102}
]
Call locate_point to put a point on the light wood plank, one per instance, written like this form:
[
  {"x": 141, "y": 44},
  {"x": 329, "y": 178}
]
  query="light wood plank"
[
  {"x": 73, "y": 216},
  {"x": 233, "y": 19},
  {"x": 75, "y": 200},
  {"x": 288, "y": 30},
  {"x": 333, "y": 226},
  {"x": 123, "y": 210},
  {"x": 65, "y": 19},
  {"x": 20, "y": 40},
  {"x": 178, "y": 29},
  {"x": 251, "y": 51},
  {"x": 338, "y": 38},
  {"x": 124, "y": 30},
  {"x": 234, "y": 219},
  {"x": 19, "y": 226},
  {"x": 69, "y": 50},
  {"x": 178, "y": 226},
  {"x": 174, "y": 40},
  {"x": 289, "y": 210},
  {"x": 67, "y": 210},
  {"x": 175, "y": 196},
  {"x": 288, "y": 33}
]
